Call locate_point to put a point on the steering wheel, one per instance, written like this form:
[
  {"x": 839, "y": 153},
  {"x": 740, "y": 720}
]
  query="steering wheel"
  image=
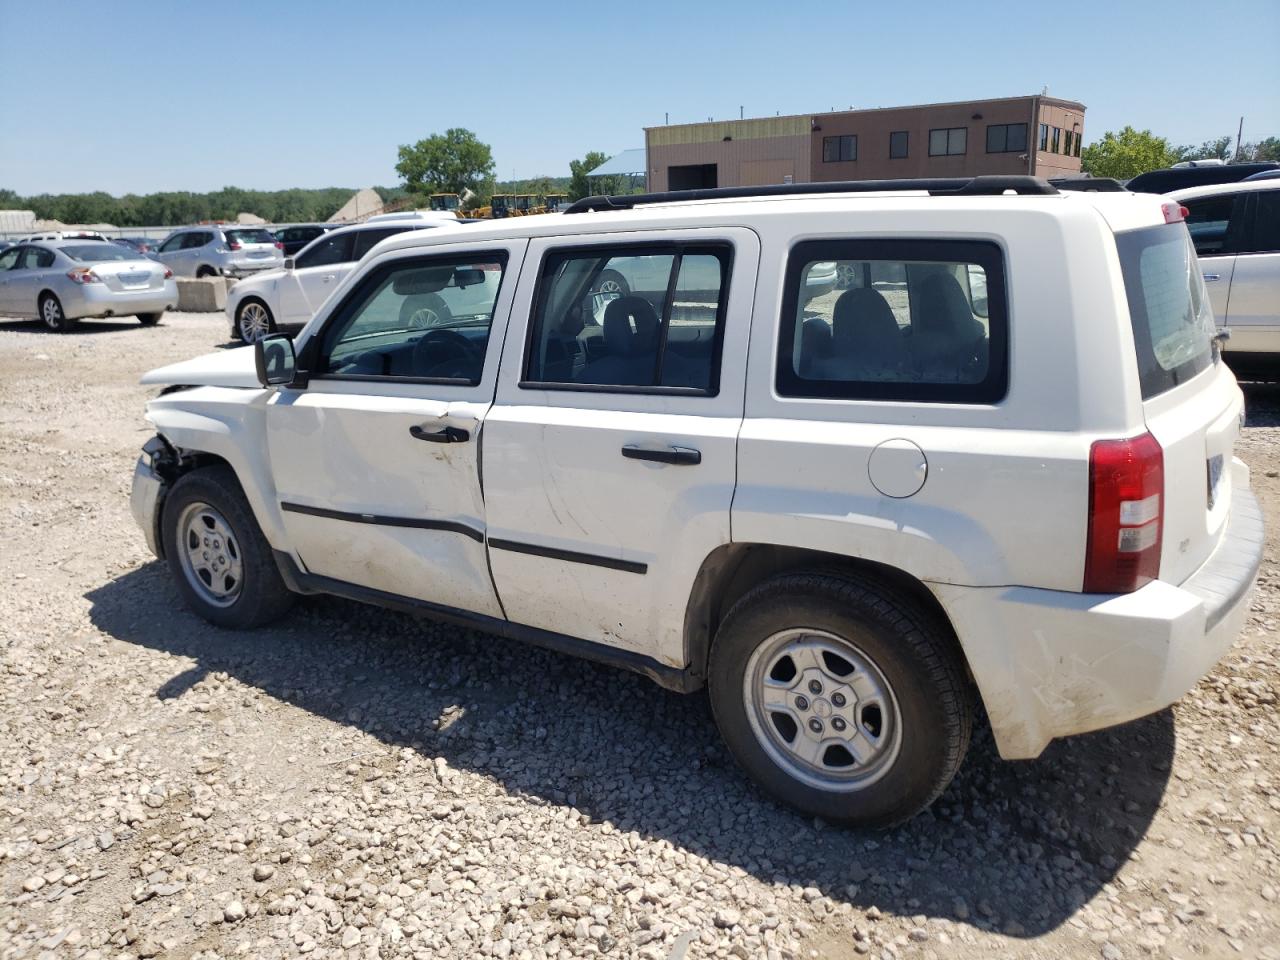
[{"x": 437, "y": 348}]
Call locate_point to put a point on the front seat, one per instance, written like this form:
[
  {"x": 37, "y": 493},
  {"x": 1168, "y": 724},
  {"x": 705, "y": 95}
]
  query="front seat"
[{"x": 630, "y": 331}]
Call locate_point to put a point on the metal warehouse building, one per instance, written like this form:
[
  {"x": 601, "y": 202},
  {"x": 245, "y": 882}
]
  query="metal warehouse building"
[{"x": 1037, "y": 135}]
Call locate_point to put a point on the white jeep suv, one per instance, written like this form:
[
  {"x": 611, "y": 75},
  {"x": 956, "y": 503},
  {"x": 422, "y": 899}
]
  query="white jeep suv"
[{"x": 997, "y": 467}]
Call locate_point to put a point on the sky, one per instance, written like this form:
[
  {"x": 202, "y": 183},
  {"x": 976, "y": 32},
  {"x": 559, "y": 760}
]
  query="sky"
[{"x": 135, "y": 97}]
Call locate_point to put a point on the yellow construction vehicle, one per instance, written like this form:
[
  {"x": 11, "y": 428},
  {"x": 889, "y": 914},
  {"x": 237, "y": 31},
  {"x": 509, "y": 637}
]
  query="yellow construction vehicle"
[
  {"x": 446, "y": 202},
  {"x": 552, "y": 202},
  {"x": 502, "y": 204}
]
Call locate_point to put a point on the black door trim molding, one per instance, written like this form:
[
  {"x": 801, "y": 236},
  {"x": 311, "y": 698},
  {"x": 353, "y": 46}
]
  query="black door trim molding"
[
  {"x": 572, "y": 556},
  {"x": 680, "y": 679},
  {"x": 421, "y": 523}
]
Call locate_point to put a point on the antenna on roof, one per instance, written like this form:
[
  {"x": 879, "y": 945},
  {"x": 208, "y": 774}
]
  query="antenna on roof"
[
  {"x": 739, "y": 113},
  {"x": 1044, "y": 91}
]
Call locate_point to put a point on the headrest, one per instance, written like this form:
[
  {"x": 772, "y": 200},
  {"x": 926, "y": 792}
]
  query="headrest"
[
  {"x": 863, "y": 314},
  {"x": 630, "y": 326},
  {"x": 943, "y": 309}
]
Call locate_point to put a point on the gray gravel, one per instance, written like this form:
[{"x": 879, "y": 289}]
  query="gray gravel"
[{"x": 356, "y": 783}]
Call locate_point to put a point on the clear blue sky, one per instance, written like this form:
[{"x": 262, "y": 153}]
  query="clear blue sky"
[{"x": 142, "y": 96}]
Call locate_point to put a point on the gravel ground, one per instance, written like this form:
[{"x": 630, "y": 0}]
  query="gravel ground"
[{"x": 356, "y": 783}]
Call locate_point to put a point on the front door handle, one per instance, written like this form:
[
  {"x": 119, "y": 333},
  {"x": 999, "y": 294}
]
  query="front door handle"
[
  {"x": 447, "y": 435},
  {"x": 1210, "y": 277},
  {"x": 676, "y": 455},
  {"x": 328, "y": 277}
]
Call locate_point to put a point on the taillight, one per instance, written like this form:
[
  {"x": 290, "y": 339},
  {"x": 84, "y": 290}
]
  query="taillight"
[
  {"x": 1126, "y": 514},
  {"x": 234, "y": 245},
  {"x": 279, "y": 245},
  {"x": 168, "y": 274},
  {"x": 1174, "y": 212},
  {"x": 83, "y": 275}
]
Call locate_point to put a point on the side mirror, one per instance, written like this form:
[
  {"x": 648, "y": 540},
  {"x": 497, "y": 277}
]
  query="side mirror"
[
  {"x": 273, "y": 356},
  {"x": 288, "y": 263}
]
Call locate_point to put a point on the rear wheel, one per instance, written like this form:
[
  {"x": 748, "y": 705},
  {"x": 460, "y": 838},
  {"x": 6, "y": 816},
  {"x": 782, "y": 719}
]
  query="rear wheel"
[
  {"x": 841, "y": 697},
  {"x": 150, "y": 319},
  {"x": 52, "y": 315},
  {"x": 217, "y": 553},
  {"x": 253, "y": 321}
]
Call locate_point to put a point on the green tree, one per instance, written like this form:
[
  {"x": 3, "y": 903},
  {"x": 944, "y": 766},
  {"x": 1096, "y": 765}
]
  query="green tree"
[
  {"x": 446, "y": 163},
  {"x": 1268, "y": 149},
  {"x": 1126, "y": 154},
  {"x": 578, "y": 185},
  {"x": 1219, "y": 149}
]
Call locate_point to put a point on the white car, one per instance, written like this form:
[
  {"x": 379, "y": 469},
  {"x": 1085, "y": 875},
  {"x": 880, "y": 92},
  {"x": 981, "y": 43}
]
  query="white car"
[
  {"x": 848, "y": 521},
  {"x": 1236, "y": 231},
  {"x": 220, "y": 250},
  {"x": 285, "y": 299}
]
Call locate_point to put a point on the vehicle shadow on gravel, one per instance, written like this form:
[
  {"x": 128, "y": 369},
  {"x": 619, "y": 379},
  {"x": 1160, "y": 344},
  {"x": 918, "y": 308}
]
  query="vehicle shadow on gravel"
[
  {"x": 8, "y": 325},
  {"x": 1013, "y": 847},
  {"x": 1261, "y": 400}
]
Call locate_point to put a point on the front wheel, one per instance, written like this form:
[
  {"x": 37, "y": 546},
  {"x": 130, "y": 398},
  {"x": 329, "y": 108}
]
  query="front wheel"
[
  {"x": 52, "y": 315},
  {"x": 841, "y": 697},
  {"x": 612, "y": 282},
  {"x": 221, "y": 561}
]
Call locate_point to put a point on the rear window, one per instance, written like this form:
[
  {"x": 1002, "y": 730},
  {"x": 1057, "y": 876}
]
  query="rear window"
[
  {"x": 99, "y": 252},
  {"x": 1173, "y": 325},
  {"x": 250, "y": 236}
]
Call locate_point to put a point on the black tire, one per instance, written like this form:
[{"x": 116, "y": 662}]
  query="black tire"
[
  {"x": 908, "y": 645},
  {"x": 52, "y": 315},
  {"x": 203, "y": 272},
  {"x": 613, "y": 276},
  {"x": 240, "y": 311},
  {"x": 262, "y": 595},
  {"x": 149, "y": 319}
]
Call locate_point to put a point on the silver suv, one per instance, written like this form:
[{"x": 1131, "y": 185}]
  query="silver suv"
[{"x": 220, "y": 251}]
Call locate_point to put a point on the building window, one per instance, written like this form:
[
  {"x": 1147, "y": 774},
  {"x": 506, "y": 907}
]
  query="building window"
[
  {"x": 1044, "y": 136},
  {"x": 1006, "y": 138},
  {"x": 948, "y": 141},
  {"x": 898, "y": 145},
  {"x": 1056, "y": 142},
  {"x": 1079, "y": 137},
  {"x": 838, "y": 149}
]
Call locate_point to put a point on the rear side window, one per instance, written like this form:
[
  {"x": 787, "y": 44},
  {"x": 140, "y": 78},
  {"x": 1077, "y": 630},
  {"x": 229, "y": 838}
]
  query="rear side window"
[
  {"x": 100, "y": 252},
  {"x": 334, "y": 248},
  {"x": 1215, "y": 223},
  {"x": 367, "y": 239},
  {"x": 894, "y": 320},
  {"x": 1172, "y": 320},
  {"x": 630, "y": 319}
]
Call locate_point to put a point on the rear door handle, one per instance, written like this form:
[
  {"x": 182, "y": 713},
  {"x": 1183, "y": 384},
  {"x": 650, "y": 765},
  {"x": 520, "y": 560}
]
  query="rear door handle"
[
  {"x": 329, "y": 277},
  {"x": 1210, "y": 277},
  {"x": 676, "y": 455},
  {"x": 447, "y": 435}
]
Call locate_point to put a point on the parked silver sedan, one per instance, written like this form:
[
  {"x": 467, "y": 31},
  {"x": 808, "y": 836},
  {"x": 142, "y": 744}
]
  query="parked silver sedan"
[{"x": 62, "y": 281}]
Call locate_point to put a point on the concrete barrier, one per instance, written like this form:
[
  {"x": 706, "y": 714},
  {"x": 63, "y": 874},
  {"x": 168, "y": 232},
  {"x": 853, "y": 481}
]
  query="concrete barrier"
[{"x": 206, "y": 295}]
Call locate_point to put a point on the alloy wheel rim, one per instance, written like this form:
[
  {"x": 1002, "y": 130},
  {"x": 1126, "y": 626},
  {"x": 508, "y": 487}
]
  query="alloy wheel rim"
[
  {"x": 52, "y": 313},
  {"x": 846, "y": 276},
  {"x": 210, "y": 554},
  {"x": 253, "y": 322},
  {"x": 610, "y": 286},
  {"x": 822, "y": 710}
]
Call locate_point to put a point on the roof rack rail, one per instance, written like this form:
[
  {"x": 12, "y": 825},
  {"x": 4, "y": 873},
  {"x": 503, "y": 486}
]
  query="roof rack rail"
[
  {"x": 1088, "y": 184},
  {"x": 936, "y": 186}
]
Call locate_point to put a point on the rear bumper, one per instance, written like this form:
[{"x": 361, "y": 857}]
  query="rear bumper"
[
  {"x": 96, "y": 300},
  {"x": 1051, "y": 664}
]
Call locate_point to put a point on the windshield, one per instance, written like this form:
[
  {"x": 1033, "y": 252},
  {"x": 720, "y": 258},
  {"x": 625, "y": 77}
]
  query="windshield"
[
  {"x": 99, "y": 252},
  {"x": 257, "y": 235},
  {"x": 1172, "y": 319}
]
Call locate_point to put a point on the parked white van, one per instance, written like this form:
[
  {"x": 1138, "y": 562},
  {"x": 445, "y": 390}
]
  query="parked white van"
[{"x": 998, "y": 466}]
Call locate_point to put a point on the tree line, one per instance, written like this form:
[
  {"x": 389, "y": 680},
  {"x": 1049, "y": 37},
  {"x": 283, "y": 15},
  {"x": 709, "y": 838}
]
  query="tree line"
[{"x": 175, "y": 208}]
